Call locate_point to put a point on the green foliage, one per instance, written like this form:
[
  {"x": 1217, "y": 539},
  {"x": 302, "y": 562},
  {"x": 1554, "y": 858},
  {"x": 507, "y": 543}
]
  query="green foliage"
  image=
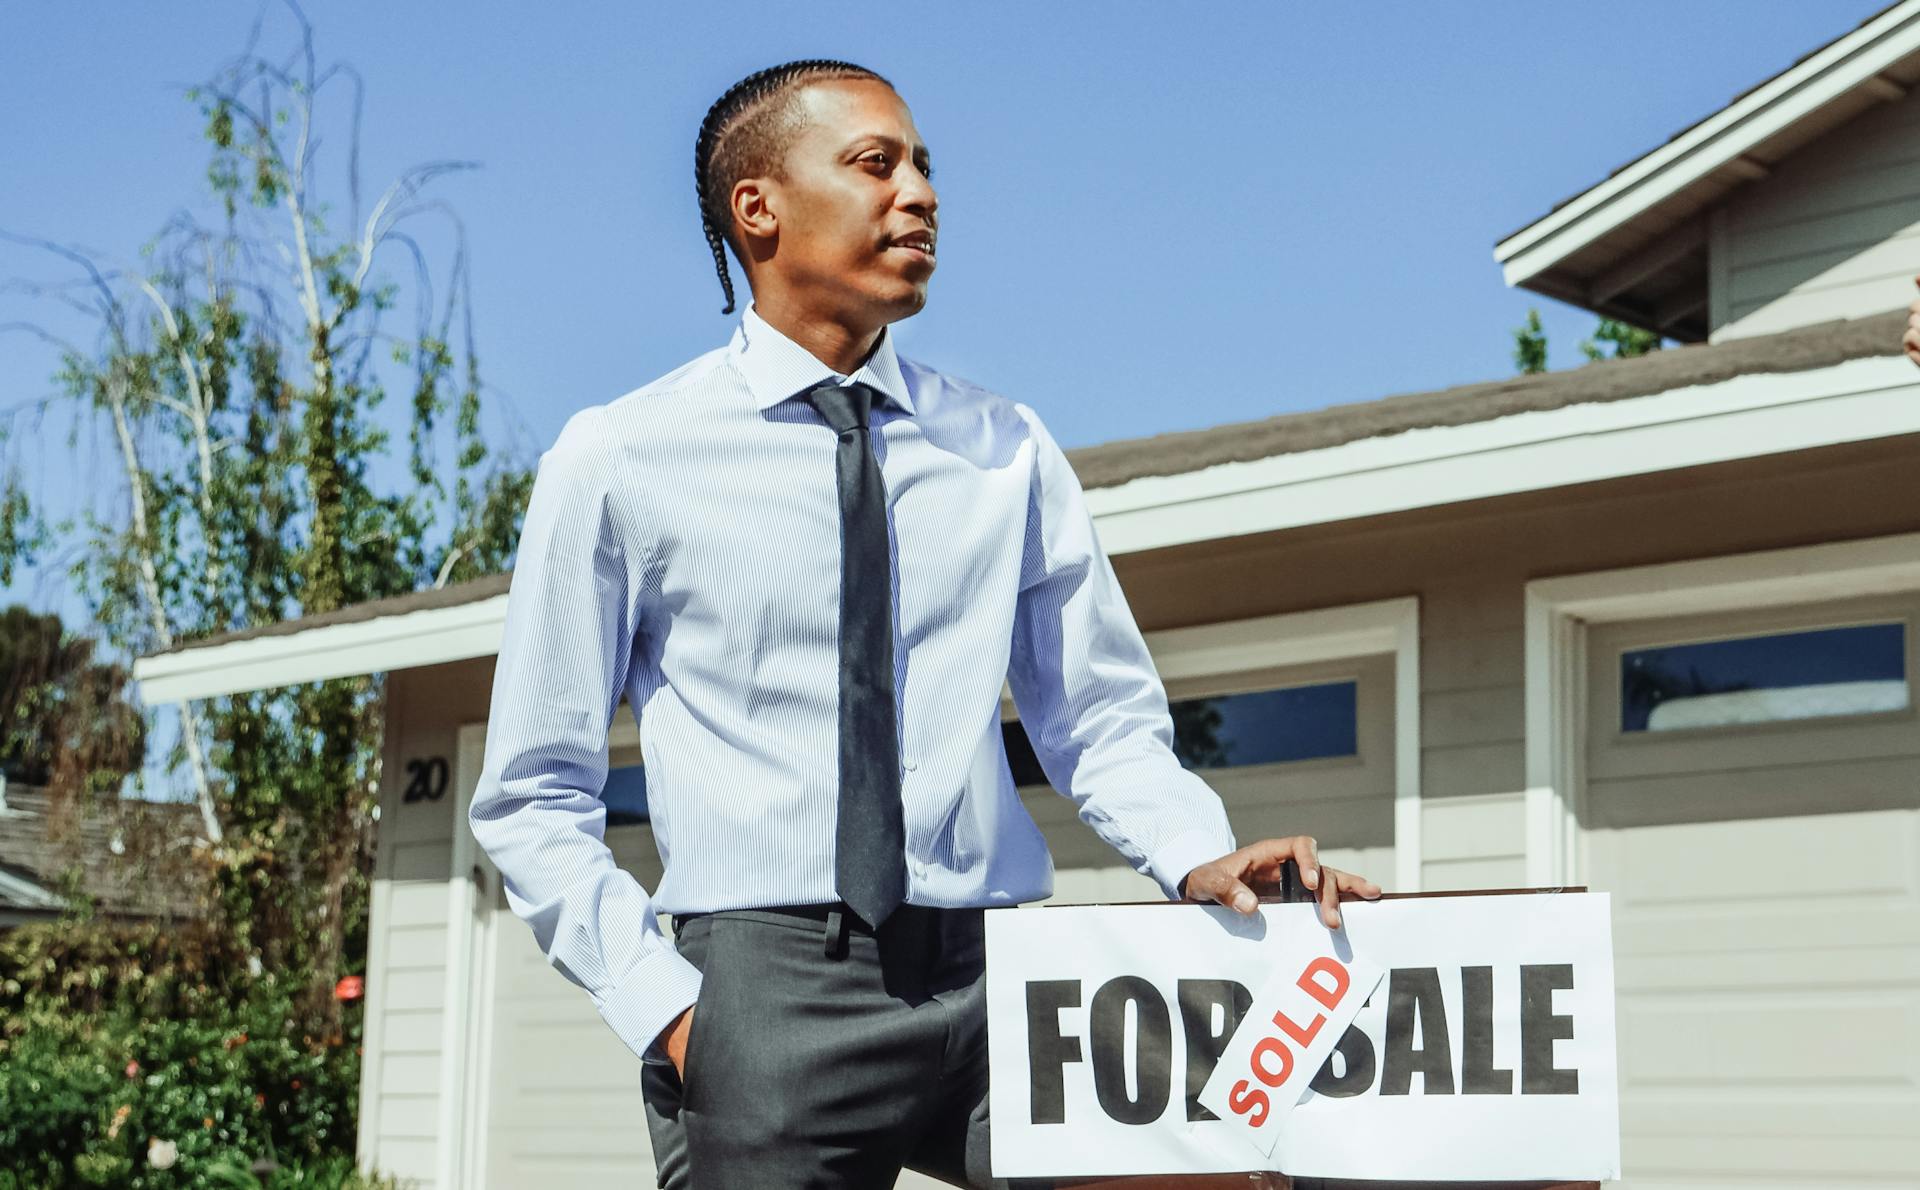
[
  {"x": 76, "y": 1089},
  {"x": 339, "y": 1173},
  {"x": 1611, "y": 339},
  {"x": 1625, "y": 341},
  {"x": 243, "y": 398},
  {"x": 90, "y": 968},
  {"x": 62, "y": 714},
  {"x": 1530, "y": 345},
  {"x": 115, "y": 1037},
  {"x": 22, "y": 534},
  {"x": 240, "y": 371}
]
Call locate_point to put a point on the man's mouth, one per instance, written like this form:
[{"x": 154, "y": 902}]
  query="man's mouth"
[{"x": 915, "y": 241}]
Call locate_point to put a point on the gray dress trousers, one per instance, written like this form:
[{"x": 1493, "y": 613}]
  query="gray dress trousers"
[{"x": 827, "y": 1055}]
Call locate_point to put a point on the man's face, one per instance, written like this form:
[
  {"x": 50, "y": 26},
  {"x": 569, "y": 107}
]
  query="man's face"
[{"x": 855, "y": 210}]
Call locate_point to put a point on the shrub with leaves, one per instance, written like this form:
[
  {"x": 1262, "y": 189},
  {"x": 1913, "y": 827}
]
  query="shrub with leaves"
[{"x": 121, "y": 1046}]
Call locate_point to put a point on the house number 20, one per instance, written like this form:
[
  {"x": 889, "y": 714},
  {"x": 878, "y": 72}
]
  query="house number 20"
[{"x": 426, "y": 780}]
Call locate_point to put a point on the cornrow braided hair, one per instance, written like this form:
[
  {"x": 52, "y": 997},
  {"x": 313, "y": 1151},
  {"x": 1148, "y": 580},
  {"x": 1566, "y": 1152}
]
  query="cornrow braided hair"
[{"x": 738, "y": 140}]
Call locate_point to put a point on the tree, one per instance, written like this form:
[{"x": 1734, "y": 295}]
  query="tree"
[
  {"x": 238, "y": 367},
  {"x": 64, "y": 717},
  {"x": 1624, "y": 340},
  {"x": 1530, "y": 345}
]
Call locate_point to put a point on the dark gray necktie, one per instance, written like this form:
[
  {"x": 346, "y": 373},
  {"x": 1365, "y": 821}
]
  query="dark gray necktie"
[{"x": 869, "y": 867}]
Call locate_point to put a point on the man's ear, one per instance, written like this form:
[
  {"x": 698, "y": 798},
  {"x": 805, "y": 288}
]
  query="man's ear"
[{"x": 753, "y": 203}]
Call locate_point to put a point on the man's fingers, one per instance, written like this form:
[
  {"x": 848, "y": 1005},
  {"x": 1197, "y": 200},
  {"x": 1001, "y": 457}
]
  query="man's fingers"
[
  {"x": 675, "y": 1041},
  {"x": 1213, "y": 884},
  {"x": 1330, "y": 902},
  {"x": 1357, "y": 885},
  {"x": 1336, "y": 884},
  {"x": 1262, "y": 860},
  {"x": 1241, "y": 899}
]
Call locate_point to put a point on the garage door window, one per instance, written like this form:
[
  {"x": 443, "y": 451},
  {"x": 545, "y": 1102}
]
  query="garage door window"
[
  {"x": 1855, "y": 669},
  {"x": 1275, "y": 726},
  {"x": 1757, "y": 692},
  {"x": 626, "y": 795}
]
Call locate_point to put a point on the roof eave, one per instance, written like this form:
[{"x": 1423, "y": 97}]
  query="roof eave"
[
  {"x": 427, "y": 637},
  {"x": 1568, "y": 252}
]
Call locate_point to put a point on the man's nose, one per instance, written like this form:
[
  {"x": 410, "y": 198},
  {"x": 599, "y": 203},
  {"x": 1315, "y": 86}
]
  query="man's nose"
[{"x": 917, "y": 194}]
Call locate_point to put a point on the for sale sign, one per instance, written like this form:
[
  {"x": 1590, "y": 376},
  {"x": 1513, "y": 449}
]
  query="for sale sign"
[{"x": 1447, "y": 1038}]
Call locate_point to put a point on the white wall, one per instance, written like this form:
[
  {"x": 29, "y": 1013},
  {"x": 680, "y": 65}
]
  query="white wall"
[
  {"x": 407, "y": 944},
  {"x": 400, "y": 1098},
  {"x": 1472, "y": 735}
]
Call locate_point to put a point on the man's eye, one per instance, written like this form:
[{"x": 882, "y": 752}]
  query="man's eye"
[{"x": 879, "y": 159}]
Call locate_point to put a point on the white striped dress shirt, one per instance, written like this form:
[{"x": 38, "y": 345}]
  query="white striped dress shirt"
[{"x": 682, "y": 548}]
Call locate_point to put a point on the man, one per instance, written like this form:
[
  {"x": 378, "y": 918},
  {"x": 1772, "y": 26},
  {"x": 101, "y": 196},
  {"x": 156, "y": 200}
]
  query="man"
[{"x": 810, "y": 565}]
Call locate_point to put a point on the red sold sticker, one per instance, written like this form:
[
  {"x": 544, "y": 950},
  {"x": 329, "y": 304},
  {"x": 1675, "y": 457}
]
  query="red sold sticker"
[{"x": 1290, "y": 1030}]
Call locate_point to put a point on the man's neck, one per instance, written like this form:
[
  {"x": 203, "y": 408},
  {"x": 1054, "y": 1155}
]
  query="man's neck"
[{"x": 835, "y": 344}]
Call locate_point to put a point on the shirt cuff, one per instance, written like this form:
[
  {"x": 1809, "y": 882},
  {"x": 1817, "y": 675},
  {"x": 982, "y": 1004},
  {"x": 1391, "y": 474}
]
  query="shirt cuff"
[
  {"x": 1187, "y": 851},
  {"x": 658, "y": 989}
]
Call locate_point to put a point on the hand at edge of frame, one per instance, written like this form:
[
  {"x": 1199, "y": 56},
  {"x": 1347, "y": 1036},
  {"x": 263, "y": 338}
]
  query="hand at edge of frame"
[{"x": 1911, "y": 340}]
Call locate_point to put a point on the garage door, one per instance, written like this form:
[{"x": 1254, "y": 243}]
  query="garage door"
[{"x": 1753, "y": 804}]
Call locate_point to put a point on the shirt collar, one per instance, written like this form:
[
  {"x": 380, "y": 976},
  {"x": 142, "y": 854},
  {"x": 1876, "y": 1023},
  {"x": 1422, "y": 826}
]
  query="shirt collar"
[{"x": 776, "y": 368}]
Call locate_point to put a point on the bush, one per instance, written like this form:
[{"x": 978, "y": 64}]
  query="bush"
[
  {"x": 101, "y": 1060},
  {"x": 337, "y": 1174}
]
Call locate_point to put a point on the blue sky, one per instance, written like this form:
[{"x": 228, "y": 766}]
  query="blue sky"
[{"x": 1155, "y": 216}]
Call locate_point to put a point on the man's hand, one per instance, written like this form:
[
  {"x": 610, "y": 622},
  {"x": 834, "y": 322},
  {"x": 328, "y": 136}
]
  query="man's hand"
[
  {"x": 1911, "y": 340},
  {"x": 1237, "y": 880},
  {"x": 674, "y": 1041}
]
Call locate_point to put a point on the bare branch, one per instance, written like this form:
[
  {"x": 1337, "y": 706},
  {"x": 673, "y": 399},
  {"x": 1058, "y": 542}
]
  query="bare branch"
[
  {"x": 109, "y": 304},
  {"x": 397, "y": 195},
  {"x": 150, "y": 589},
  {"x": 353, "y": 145},
  {"x": 42, "y": 334},
  {"x": 453, "y": 556}
]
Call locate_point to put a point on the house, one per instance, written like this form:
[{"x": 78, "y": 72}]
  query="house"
[
  {"x": 1650, "y": 626},
  {"x": 44, "y": 853}
]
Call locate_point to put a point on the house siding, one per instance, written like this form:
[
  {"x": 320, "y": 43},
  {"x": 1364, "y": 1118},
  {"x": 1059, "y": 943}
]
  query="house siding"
[
  {"x": 407, "y": 949},
  {"x": 1470, "y": 567},
  {"x": 1833, "y": 233}
]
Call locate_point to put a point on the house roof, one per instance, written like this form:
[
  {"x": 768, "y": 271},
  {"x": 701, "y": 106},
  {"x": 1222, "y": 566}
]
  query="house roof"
[
  {"x": 1115, "y": 464},
  {"x": 38, "y": 845},
  {"x": 1634, "y": 245},
  {"x": 1799, "y": 350}
]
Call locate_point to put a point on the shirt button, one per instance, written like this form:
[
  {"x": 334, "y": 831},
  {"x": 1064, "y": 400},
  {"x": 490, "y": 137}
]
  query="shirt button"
[{"x": 909, "y": 763}]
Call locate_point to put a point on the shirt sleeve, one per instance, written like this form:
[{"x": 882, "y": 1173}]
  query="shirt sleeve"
[
  {"x": 1089, "y": 697},
  {"x": 571, "y": 626}
]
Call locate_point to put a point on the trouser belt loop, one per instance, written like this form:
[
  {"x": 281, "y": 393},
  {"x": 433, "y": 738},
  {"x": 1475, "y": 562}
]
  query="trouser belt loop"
[{"x": 836, "y": 934}]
